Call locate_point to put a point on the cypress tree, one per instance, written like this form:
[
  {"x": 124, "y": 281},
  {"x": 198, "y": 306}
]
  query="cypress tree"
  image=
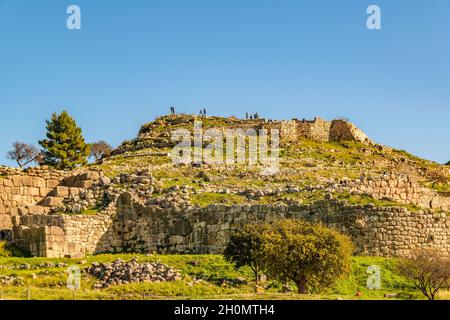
[{"x": 64, "y": 147}]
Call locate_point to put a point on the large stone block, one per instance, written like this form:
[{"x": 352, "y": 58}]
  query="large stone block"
[
  {"x": 36, "y": 210},
  {"x": 5, "y": 221},
  {"x": 17, "y": 181},
  {"x": 91, "y": 175},
  {"x": 33, "y": 191},
  {"x": 43, "y": 192},
  {"x": 39, "y": 182},
  {"x": 51, "y": 201},
  {"x": 61, "y": 191},
  {"x": 84, "y": 184},
  {"x": 8, "y": 183},
  {"x": 27, "y": 181},
  {"x": 52, "y": 183}
]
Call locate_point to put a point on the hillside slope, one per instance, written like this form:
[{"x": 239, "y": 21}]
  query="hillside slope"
[{"x": 359, "y": 170}]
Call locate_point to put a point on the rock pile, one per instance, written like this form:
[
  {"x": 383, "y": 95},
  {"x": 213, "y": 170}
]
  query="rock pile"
[
  {"x": 121, "y": 272},
  {"x": 11, "y": 280},
  {"x": 176, "y": 197}
]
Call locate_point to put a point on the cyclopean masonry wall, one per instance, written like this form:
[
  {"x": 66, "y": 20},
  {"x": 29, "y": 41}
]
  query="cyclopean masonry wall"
[
  {"x": 386, "y": 231},
  {"x": 24, "y": 188}
]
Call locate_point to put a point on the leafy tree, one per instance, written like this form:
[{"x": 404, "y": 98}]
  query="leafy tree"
[
  {"x": 64, "y": 147},
  {"x": 428, "y": 270},
  {"x": 99, "y": 150},
  {"x": 244, "y": 248},
  {"x": 312, "y": 256},
  {"x": 23, "y": 154}
]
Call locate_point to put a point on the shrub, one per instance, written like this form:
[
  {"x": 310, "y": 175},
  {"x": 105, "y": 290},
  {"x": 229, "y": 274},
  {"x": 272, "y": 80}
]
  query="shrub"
[
  {"x": 428, "y": 270},
  {"x": 437, "y": 176},
  {"x": 10, "y": 250},
  {"x": 312, "y": 256}
]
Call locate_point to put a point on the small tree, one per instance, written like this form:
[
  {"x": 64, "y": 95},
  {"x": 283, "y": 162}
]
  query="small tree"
[
  {"x": 312, "y": 256},
  {"x": 244, "y": 248},
  {"x": 64, "y": 147},
  {"x": 23, "y": 154},
  {"x": 99, "y": 150},
  {"x": 428, "y": 270},
  {"x": 438, "y": 176}
]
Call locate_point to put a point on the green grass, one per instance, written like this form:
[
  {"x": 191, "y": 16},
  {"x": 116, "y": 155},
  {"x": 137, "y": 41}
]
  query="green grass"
[
  {"x": 391, "y": 281},
  {"x": 217, "y": 280},
  {"x": 206, "y": 198}
]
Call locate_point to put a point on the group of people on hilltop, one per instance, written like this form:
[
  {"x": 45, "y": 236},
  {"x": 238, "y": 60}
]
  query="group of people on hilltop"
[
  {"x": 251, "y": 117},
  {"x": 202, "y": 113}
]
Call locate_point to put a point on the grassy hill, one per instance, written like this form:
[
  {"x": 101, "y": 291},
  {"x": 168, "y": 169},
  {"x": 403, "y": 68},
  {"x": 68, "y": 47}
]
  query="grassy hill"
[{"x": 305, "y": 165}]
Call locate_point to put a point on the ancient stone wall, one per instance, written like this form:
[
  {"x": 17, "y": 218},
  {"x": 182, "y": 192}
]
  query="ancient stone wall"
[
  {"x": 387, "y": 231},
  {"x": 403, "y": 189},
  {"x": 57, "y": 236},
  {"x": 24, "y": 188},
  {"x": 151, "y": 135},
  {"x": 342, "y": 130}
]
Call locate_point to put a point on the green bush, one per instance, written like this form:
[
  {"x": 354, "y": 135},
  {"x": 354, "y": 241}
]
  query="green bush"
[
  {"x": 10, "y": 250},
  {"x": 244, "y": 248},
  {"x": 312, "y": 256}
]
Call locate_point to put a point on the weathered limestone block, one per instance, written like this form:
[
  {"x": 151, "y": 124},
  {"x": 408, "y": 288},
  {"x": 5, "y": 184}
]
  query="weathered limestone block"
[
  {"x": 61, "y": 192},
  {"x": 51, "y": 201},
  {"x": 8, "y": 183},
  {"x": 52, "y": 183}
]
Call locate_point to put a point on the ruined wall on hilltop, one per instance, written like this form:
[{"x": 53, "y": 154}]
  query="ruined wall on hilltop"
[
  {"x": 341, "y": 130},
  {"x": 387, "y": 231},
  {"x": 158, "y": 133}
]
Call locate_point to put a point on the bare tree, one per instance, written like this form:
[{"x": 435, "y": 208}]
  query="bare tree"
[
  {"x": 23, "y": 154},
  {"x": 428, "y": 270},
  {"x": 437, "y": 176},
  {"x": 100, "y": 149}
]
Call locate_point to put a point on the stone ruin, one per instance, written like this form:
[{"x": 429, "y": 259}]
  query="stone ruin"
[
  {"x": 128, "y": 218},
  {"x": 53, "y": 213},
  {"x": 290, "y": 131}
]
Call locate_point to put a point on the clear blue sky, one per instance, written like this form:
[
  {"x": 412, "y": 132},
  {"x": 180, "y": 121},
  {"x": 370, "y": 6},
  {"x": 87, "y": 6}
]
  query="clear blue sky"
[{"x": 284, "y": 59}]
